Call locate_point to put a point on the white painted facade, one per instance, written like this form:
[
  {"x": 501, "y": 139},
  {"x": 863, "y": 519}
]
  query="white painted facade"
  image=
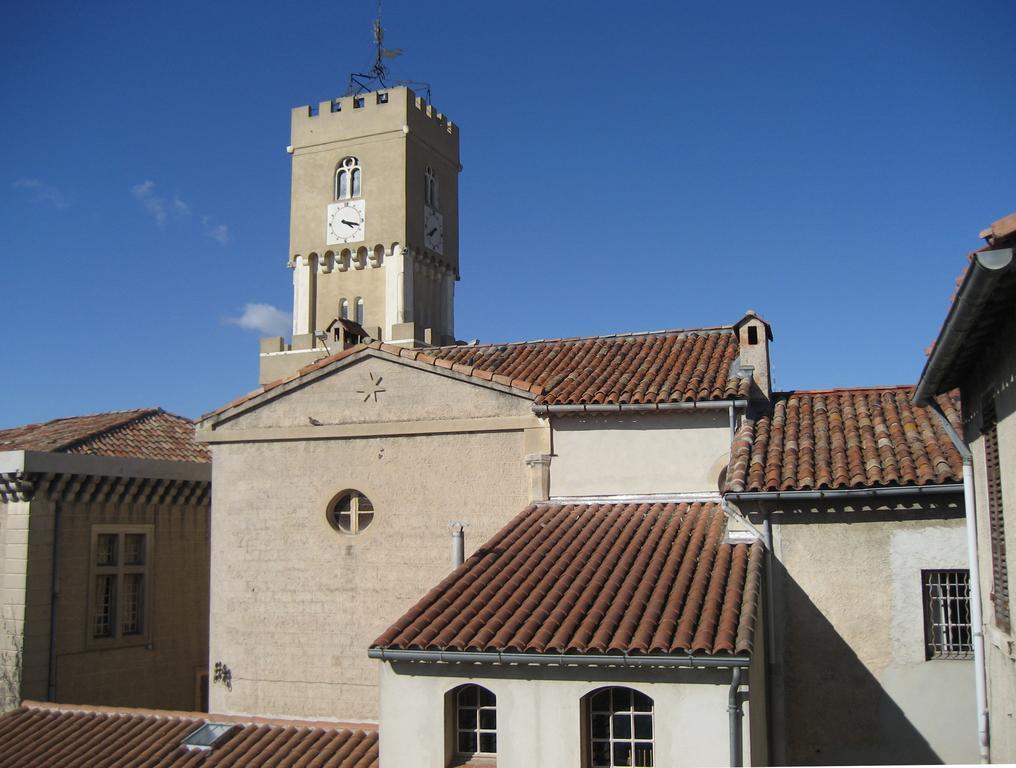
[{"x": 540, "y": 713}]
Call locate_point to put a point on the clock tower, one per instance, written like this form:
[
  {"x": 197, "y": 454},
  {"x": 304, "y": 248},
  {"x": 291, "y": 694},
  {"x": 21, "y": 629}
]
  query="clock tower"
[{"x": 373, "y": 225}]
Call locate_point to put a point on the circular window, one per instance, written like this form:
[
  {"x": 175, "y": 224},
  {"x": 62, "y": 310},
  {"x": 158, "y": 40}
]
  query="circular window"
[{"x": 350, "y": 512}]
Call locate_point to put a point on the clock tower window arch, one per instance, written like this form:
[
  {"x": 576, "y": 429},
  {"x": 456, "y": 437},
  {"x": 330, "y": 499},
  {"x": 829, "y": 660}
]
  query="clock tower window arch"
[
  {"x": 359, "y": 310},
  {"x": 344, "y": 309},
  {"x": 430, "y": 187},
  {"x": 348, "y": 178}
]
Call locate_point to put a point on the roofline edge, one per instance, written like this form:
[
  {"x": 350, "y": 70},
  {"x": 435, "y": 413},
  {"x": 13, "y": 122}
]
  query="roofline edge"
[
  {"x": 690, "y": 405},
  {"x": 939, "y": 488},
  {"x": 559, "y": 659}
]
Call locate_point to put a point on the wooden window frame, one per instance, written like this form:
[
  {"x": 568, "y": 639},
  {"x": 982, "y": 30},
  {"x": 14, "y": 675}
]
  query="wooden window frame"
[
  {"x": 996, "y": 517},
  {"x": 118, "y": 639}
]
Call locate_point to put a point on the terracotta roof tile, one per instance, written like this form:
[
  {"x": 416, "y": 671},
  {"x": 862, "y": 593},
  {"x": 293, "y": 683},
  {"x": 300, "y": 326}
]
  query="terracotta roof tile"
[
  {"x": 635, "y": 578},
  {"x": 146, "y": 433},
  {"x": 661, "y": 367},
  {"x": 101, "y": 737},
  {"x": 840, "y": 439}
]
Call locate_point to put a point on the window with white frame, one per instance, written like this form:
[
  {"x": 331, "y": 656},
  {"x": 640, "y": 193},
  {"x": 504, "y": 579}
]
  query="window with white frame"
[
  {"x": 120, "y": 583},
  {"x": 347, "y": 179},
  {"x": 620, "y": 727},
  {"x": 947, "y": 629},
  {"x": 475, "y": 722},
  {"x": 430, "y": 188}
]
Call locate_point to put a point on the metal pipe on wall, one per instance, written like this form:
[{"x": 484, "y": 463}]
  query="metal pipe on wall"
[
  {"x": 458, "y": 543},
  {"x": 734, "y": 715}
]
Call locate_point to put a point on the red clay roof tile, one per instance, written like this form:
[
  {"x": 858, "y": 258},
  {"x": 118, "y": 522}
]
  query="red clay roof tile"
[
  {"x": 841, "y": 439},
  {"x": 637, "y": 578},
  {"x": 146, "y": 433},
  {"x": 102, "y": 737}
]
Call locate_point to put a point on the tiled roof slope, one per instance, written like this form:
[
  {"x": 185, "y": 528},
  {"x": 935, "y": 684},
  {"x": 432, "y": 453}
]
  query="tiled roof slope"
[
  {"x": 43, "y": 735},
  {"x": 663, "y": 367},
  {"x": 145, "y": 433},
  {"x": 842, "y": 439},
  {"x": 595, "y": 579}
]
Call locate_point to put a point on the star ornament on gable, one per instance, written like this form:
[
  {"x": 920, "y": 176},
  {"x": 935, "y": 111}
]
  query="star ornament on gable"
[{"x": 373, "y": 389}]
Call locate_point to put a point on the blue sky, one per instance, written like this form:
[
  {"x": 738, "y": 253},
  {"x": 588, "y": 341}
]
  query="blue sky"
[{"x": 626, "y": 167}]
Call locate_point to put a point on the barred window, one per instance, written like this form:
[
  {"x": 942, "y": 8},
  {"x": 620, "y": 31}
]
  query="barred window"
[
  {"x": 996, "y": 518},
  {"x": 475, "y": 722},
  {"x": 620, "y": 723},
  {"x": 347, "y": 179},
  {"x": 947, "y": 629},
  {"x": 120, "y": 566}
]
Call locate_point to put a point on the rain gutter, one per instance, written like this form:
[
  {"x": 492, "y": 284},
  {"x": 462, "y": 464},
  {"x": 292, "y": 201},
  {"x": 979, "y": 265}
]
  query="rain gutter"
[
  {"x": 559, "y": 659},
  {"x": 734, "y": 715},
  {"x": 976, "y": 618},
  {"x": 986, "y": 268},
  {"x": 841, "y": 493},
  {"x": 601, "y": 408}
]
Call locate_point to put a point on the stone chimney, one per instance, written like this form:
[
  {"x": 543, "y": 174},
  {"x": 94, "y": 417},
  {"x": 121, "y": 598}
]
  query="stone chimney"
[{"x": 753, "y": 336}]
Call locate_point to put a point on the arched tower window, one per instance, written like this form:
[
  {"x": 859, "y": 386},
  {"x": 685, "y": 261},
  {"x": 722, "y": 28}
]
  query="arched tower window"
[
  {"x": 344, "y": 309},
  {"x": 430, "y": 188},
  {"x": 619, "y": 722},
  {"x": 359, "y": 310},
  {"x": 347, "y": 179},
  {"x": 475, "y": 722}
]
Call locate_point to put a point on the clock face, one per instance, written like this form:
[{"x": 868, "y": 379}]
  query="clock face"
[
  {"x": 433, "y": 229},
  {"x": 345, "y": 222}
]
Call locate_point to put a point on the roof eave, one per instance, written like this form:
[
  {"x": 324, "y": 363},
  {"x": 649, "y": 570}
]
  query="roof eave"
[
  {"x": 688, "y": 661},
  {"x": 986, "y": 268},
  {"x": 846, "y": 493}
]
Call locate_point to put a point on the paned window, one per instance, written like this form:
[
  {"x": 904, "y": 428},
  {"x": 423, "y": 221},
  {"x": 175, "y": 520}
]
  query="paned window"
[
  {"x": 351, "y": 512},
  {"x": 475, "y": 722},
  {"x": 430, "y": 188},
  {"x": 121, "y": 569},
  {"x": 996, "y": 518},
  {"x": 947, "y": 630},
  {"x": 620, "y": 728},
  {"x": 347, "y": 179}
]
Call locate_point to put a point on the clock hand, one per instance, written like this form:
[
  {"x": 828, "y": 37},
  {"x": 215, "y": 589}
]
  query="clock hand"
[
  {"x": 350, "y": 223},
  {"x": 432, "y": 232}
]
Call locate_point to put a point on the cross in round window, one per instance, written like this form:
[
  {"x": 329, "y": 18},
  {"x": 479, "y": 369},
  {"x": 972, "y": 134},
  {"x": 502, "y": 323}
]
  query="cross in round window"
[
  {"x": 620, "y": 728},
  {"x": 351, "y": 512}
]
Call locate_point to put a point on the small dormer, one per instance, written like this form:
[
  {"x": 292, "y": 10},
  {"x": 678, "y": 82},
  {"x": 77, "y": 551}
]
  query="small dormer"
[
  {"x": 753, "y": 336},
  {"x": 346, "y": 333}
]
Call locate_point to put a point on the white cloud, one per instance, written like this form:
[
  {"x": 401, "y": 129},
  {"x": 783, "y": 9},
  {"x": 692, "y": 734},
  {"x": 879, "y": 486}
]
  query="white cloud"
[
  {"x": 154, "y": 204},
  {"x": 269, "y": 320},
  {"x": 43, "y": 192},
  {"x": 161, "y": 207}
]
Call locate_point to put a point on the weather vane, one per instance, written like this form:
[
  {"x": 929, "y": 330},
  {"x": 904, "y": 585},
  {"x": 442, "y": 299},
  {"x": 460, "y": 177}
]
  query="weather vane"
[{"x": 377, "y": 76}]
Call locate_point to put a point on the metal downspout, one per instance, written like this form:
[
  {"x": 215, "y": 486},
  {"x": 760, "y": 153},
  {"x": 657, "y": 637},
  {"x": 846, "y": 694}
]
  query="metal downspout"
[
  {"x": 734, "y": 716},
  {"x": 976, "y": 619},
  {"x": 53, "y": 597}
]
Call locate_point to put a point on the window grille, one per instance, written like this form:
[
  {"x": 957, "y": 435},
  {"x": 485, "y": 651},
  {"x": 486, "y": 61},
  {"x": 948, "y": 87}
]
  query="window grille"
[
  {"x": 996, "y": 518},
  {"x": 430, "y": 188},
  {"x": 348, "y": 179},
  {"x": 947, "y": 614},
  {"x": 621, "y": 728},
  {"x": 475, "y": 722}
]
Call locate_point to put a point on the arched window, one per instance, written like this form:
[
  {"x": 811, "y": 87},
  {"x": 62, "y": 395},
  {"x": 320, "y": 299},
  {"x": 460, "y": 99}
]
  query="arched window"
[
  {"x": 350, "y": 512},
  {"x": 347, "y": 179},
  {"x": 430, "y": 188},
  {"x": 620, "y": 727},
  {"x": 344, "y": 309},
  {"x": 475, "y": 722},
  {"x": 359, "y": 310}
]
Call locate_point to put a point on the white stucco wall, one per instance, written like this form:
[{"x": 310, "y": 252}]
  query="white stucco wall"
[
  {"x": 674, "y": 452},
  {"x": 539, "y": 713}
]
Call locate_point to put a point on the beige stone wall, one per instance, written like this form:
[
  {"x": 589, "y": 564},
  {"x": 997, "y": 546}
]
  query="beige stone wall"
[
  {"x": 851, "y": 683},
  {"x": 161, "y": 673},
  {"x": 539, "y": 713},
  {"x": 675, "y": 452},
  {"x": 296, "y": 603},
  {"x": 994, "y": 378},
  {"x": 14, "y": 535}
]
